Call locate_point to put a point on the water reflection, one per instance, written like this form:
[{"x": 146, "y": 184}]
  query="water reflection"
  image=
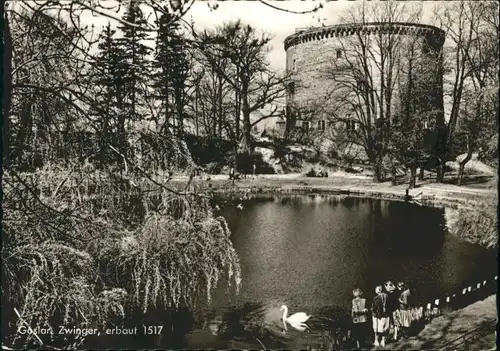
[
  {"x": 309, "y": 252},
  {"x": 297, "y": 326},
  {"x": 253, "y": 325}
]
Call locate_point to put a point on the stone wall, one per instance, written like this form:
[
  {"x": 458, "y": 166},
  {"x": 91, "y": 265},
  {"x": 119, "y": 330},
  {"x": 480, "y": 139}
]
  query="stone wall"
[{"x": 312, "y": 55}]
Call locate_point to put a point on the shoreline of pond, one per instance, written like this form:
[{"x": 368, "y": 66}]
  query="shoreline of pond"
[{"x": 427, "y": 194}]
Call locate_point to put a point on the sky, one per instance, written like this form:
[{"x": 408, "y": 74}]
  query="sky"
[
  {"x": 282, "y": 24},
  {"x": 277, "y": 24}
]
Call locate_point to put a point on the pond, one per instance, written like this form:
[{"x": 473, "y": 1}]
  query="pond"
[{"x": 309, "y": 252}]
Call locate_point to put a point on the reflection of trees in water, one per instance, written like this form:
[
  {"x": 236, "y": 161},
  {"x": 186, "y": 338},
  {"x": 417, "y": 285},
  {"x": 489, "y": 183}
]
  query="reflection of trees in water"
[
  {"x": 261, "y": 198},
  {"x": 385, "y": 208},
  {"x": 333, "y": 323},
  {"x": 182, "y": 323},
  {"x": 254, "y": 322},
  {"x": 334, "y": 201},
  {"x": 356, "y": 203},
  {"x": 400, "y": 228},
  {"x": 286, "y": 200},
  {"x": 296, "y": 201},
  {"x": 248, "y": 322},
  {"x": 349, "y": 202}
]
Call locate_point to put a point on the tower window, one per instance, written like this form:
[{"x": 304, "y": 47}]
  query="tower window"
[
  {"x": 306, "y": 125},
  {"x": 350, "y": 125},
  {"x": 339, "y": 53},
  {"x": 321, "y": 125},
  {"x": 294, "y": 65}
]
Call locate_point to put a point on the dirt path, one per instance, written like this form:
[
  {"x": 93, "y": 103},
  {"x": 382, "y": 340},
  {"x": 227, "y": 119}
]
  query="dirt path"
[{"x": 478, "y": 319}]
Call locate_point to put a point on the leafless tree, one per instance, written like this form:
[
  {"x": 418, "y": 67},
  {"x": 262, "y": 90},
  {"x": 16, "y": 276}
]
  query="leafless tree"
[
  {"x": 215, "y": 100},
  {"x": 364, "y": 81},
  {"x": 472, "y": 70},
  {"x": 250, "y": 77},
  {"x": 44, "y": 82}
]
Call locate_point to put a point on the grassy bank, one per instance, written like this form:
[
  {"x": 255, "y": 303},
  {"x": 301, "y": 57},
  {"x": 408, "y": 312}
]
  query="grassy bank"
[{"x": 429, "y": 193}]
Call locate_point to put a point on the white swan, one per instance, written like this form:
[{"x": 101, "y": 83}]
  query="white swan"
[
  {"x": 239, "y": 207},
  {"x": 296, "y": 318}
]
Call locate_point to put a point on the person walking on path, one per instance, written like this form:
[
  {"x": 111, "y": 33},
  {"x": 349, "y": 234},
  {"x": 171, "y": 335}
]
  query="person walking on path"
[
  {"x": 359, "y": 317},
  {"x": 254, "y": 168},
  {"x": 392, "y": 306},
  {"x": 380, "y": 316}
]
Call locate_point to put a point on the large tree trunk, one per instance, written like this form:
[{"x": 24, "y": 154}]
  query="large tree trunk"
[
  {"x": 441, "y": 151},
  {"x": 219, "y": 108},
  {"x": 413, "y": 175},
  {"x": 180, "y": 111},
  {"x": 377, "y": 170},
  {"x": 289, "y": 123},
  {"x": 7, "y": 87},
  {"x": 245, "y": 140},
  {"x": 394, "y": 174},
  {"x": 440, "y": 169},
  {"x": 247, "y": 127},
  {"x": 196, "y": 117},
  {"x": 237, "y": 116},
  {"x": 375, "y": 163},
  {"x": 461, "y": 164}
]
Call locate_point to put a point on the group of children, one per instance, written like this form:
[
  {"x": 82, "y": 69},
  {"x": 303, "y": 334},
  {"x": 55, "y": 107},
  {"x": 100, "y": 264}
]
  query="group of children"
[{"x": 391, "y": 313}]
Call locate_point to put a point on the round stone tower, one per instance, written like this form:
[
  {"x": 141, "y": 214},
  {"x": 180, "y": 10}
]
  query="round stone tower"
[{"x": 314, "y": 54}]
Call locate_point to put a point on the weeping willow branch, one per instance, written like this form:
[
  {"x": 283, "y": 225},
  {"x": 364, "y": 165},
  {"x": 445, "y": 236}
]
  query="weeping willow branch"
[
  {"x": 72, "y": 255},
  {"x": 28, "y": 326},
  {"x": 162, "y": 186},
  {"x": 173, "y": 261},
  {"x": 52, "y": 284},
  {"x": 37, "y": 198},
  {"x": 56, "y": 266}
]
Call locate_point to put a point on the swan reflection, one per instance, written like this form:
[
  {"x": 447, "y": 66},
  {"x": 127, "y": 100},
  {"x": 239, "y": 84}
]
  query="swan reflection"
[{"x": 297, "y": 326}]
